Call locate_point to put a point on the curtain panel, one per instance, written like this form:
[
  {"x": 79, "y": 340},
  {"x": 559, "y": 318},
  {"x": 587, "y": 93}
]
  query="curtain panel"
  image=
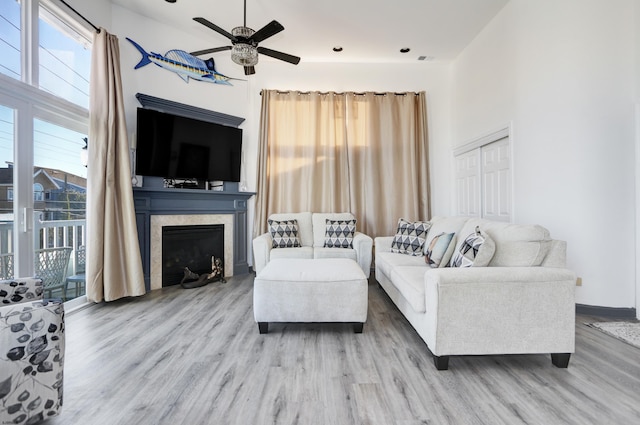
[
  {"x": 366, "y": 153},
  {"x": 114, "y": 266}
]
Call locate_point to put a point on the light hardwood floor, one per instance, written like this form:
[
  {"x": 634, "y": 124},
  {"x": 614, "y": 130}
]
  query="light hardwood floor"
[{"x": 179, "y": 356}]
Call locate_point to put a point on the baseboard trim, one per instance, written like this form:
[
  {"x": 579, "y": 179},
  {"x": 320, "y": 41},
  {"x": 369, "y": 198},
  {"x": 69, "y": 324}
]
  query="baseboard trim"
[{"x": 609, "y": 312}]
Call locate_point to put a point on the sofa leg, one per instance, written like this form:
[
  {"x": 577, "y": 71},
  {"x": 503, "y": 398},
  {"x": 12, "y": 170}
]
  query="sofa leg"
[
  {"x": 263, "y": 327},
  {"x": 441, "y": 362},
  {"x": 560, "y": 359},
  {"x": 357, "y": 327}
]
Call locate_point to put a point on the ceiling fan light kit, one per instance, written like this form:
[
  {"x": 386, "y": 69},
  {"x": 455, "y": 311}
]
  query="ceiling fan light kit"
[{"x": 244, "y": 54}]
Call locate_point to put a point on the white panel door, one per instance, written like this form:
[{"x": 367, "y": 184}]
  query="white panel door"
[
  {"x": 468, "y": 187},
  {"x": 496, "y": 180},
  {"x": 483, "y": 181}
]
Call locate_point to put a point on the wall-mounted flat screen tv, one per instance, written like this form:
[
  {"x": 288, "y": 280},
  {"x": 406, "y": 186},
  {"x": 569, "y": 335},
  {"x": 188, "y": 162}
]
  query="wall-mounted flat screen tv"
[{"x": 176, "y": 147}]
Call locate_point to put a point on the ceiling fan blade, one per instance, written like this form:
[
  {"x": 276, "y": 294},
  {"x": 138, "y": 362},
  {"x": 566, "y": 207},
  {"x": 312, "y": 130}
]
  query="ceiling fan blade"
[
  {"x": 279, "y": 55},
  {"x": 267, "y": 31},
  {"x": 249, "y": 70},
  {"x": 207, "y": 51},
  {"x": 216, "y": 28}
]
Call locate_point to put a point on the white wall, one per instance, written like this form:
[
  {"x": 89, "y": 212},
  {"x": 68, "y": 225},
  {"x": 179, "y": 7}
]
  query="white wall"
[
  {"x": 96, "y": 11},
  {"x": 561, "y": 72}
]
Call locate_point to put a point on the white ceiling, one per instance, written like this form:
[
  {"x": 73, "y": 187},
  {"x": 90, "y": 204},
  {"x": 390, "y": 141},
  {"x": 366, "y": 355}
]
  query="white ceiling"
[{"x": 368, "y": 30}]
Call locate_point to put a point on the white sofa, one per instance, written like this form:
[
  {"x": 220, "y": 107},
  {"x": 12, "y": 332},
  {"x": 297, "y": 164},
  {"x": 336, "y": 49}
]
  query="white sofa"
[
  {"x": 521, "y": 303},
  {"x": 311, "y": 232}
]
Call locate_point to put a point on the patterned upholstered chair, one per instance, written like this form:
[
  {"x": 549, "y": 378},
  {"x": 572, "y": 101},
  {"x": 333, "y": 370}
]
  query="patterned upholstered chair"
[{"x": 31, "y": 352}]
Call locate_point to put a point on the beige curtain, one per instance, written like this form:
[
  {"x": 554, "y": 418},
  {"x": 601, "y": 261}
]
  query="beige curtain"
[
  {"x": 114, "y": 266},
  {"x": 389, "y": 162},
  {"x": 366, "y": 153}
]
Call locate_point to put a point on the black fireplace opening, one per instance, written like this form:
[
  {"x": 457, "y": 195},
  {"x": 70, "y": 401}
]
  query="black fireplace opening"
[{"x": 190, "y": 246}]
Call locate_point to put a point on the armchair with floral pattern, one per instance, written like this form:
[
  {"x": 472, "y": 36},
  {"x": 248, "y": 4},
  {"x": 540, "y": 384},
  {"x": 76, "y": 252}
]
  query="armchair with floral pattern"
[{"x": 31, "y": 352}]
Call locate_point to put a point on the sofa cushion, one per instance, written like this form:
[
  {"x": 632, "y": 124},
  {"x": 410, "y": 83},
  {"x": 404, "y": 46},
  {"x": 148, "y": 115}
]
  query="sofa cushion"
[
  {"x": 284, "y": 234},
  {"x": 517, "y": 245},
  {"x": 339, "y": 233},
  {"x": 387, "y": 261},
  {"x": 305, "y": 231},
  {"x": 410, "y": 283},
  {"x": 301, "y": 252},
  {"x": 439, "y": 251},
  {"x": 476, "y": 250},
  {"x": 335, "y": 253},
  {"x": 410, "y": 237},
  {"x": 319, "y": 221}
]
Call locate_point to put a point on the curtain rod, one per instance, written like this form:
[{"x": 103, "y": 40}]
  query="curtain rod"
[
  {"x": 80, "y": 15},
  {"x": 341, "y": 93}
]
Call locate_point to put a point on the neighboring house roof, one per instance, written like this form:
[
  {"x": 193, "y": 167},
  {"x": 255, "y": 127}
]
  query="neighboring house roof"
[
  {"x": 70, "y": 186},
  {"x": 61, "y": 176},
  {"x": 56, "y": 177}
]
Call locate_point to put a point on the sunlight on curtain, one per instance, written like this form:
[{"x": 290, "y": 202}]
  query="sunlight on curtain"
[{"x": 365, "y": 153}]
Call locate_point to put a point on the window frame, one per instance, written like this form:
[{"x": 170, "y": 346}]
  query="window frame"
[{"x": 29, "y": 102}]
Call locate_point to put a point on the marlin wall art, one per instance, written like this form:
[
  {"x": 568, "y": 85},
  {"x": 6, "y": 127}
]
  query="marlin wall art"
[{"x": 182, "y": 63}]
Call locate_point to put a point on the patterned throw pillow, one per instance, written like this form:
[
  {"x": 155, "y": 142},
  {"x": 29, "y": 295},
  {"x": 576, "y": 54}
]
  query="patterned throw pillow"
[
  {"x": 284, "y": 233},
  {"x": 476, "y": 251},
  {"x": 339, "y": 233},
  {"x": 410, "y": 237},
  {"x": 438, "y": 252}
]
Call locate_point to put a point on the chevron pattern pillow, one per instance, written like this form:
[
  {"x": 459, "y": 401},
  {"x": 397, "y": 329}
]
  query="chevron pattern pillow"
[
  {"x": 284, "y": 233},
  {"x": 476, "y": 251},
  {"x": 339, "y": 233},
  {"x": 410, "y": 237}
]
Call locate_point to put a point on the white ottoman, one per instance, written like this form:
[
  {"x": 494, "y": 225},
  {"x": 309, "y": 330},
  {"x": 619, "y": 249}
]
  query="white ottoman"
[{"x": 306, "y": 290}]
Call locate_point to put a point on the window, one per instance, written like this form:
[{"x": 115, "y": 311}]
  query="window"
[
  {"x": 44, "y": 98},
  {"x": 38, "y": 192},
  {"x": 64, "y": 59},
  {"x": 10, "y": 38}
]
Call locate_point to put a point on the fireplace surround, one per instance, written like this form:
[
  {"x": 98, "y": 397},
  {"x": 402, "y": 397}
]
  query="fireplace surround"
[{"x": 158, "y": 207}]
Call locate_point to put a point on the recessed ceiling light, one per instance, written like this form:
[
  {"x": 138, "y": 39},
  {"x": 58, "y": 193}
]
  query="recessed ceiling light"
[
  {"x": 337, "y": 49},
  {"x": 405, "y": 50}
]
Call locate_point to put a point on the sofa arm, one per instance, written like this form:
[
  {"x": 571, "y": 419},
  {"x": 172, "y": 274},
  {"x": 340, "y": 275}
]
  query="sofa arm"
[
  {"x": 383, "y": 243},
  {"x": 501, "y": 310},
  {"x": 261, "y": 251},
  {"x": 363, "y": 245},
  {"x": 20, "y": 290},
  {"x": 497, "y": 275}
]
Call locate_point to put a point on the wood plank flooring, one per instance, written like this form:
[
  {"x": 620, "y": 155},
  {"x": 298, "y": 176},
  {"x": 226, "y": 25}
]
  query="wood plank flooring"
[{"x": 195, "y": 356}]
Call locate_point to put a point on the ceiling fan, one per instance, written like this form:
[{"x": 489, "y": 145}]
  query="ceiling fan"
[{"x": 244, "y": 40}]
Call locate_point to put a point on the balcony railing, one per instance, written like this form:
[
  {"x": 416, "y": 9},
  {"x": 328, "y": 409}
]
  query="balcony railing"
[{"x": 47, "y": 234}]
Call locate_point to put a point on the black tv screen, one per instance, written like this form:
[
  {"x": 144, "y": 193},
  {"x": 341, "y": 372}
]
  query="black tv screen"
[{"x": 176, "y": 147}]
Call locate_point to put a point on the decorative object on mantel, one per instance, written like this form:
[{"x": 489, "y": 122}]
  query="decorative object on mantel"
[
  {"x": 185, "y": 65},
  {"x": 628, "y": 332},
  {"x": 193, "y": 280},
  {"x": 244, "y": 40}
]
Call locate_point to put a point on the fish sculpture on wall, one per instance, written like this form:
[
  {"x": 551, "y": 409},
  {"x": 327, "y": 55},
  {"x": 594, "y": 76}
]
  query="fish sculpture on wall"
[{"x": 182, "y": 63}]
